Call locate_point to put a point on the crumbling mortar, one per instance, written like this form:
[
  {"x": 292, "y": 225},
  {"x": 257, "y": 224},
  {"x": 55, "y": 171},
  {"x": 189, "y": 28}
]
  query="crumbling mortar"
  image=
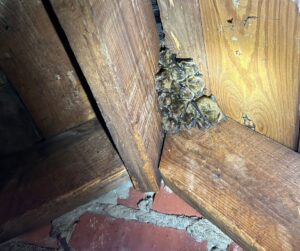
[{"x": 199, "y": 229}]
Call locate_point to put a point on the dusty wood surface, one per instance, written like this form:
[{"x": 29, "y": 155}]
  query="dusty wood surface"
[
  {"x": 253, "y": 56},
  {"x": 17, "y": 130},
  {"x": 35, "y": 62},
  {"x": 182, "y": 26},
  {"x": 244, "y": 182},
  {"x": 57, "y": 176},
  {"x": 117, "y": 47}
]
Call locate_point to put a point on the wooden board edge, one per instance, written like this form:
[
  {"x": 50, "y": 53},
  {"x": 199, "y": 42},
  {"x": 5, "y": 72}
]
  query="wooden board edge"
[{"x": 65, "y": 203}]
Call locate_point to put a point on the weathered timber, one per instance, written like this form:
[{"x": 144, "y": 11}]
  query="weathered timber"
[
  {"x": 253, "y": 55},
  {"x": 57, "y": 176},
  {"x": 182, "y": 26},
  {"x": 17, "y": 130},
  {"x": 35, "y": 62},
  {"x": 117, "y": 47},
  {"x": 244, "y": 182}
]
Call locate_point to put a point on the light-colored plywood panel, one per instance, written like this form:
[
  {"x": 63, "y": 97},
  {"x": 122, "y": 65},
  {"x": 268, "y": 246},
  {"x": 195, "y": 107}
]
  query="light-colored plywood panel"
[
  {"x": 117, "y": 47},
  {"x": 247, "y": 184},
  {"x": 35, "y": 62},
  {"x": 252, "y": 51}
]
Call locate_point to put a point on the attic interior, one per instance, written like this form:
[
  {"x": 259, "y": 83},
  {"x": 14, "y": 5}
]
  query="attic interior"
[{"x": 202, "y": 95}]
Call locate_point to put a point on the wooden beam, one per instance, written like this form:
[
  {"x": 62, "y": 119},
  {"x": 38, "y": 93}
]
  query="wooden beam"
[
  {"x": 252, "y": 52},
  {"x": 182, "y": 26},
  {"x": 57, "y": 176},
  {"x": 117, "y": 47},
  {"x": 35, "y": 62},
  {"x": 245, "y": 183}
]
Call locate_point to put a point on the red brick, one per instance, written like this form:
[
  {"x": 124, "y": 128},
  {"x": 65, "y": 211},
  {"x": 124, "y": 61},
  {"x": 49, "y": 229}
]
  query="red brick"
[
  {"x": 96, "y": 232},
  {"x": 170, "y": 203},
  {"x": 133, "y": 199},
  {"x": 40, "y": 237}
]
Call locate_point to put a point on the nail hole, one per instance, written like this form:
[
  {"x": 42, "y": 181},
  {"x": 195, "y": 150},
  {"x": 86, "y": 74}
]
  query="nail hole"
[{"x": 230, "y": 20}]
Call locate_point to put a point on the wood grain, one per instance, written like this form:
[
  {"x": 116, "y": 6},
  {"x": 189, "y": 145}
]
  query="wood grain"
[
  {"x": 117, "y": 47},
  {"x": 57, "y": 176},
  {"x": 244, "y": 182},
  {"x": 182, "y": 26},
  {"x": 253, "y": 56},
  {"x": 35, "y": 62}
]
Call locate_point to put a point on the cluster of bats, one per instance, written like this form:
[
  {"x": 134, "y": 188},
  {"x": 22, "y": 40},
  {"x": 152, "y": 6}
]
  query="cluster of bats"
[{"x": 182, "y": 95}]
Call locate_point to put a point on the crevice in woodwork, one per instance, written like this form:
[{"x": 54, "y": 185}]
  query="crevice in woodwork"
[
  {"x": 160, "y": 30},
  {"x": 159, "y": 25},
  {"x": 65, "y": 42}
]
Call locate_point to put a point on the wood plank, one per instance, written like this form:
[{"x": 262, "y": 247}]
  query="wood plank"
[
  {"x": 117, "y": 47},
  {"x": 57, "y": 176},
  {"x": 253, "y": 56},
  {"x": 182, "y": 26},
  {"x": 244, "y": 182},
  {"x": 17, "y": 130},
  {"x": 35, "y": 62}
]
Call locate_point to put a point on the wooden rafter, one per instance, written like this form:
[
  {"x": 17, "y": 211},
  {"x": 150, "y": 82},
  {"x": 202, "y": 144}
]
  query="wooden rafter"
[
  {"x": 245, "y": 183},
  {"x": 57, "y": 176}
]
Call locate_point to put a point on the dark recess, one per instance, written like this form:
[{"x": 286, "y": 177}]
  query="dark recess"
[{"x": 159, "y": 26}]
